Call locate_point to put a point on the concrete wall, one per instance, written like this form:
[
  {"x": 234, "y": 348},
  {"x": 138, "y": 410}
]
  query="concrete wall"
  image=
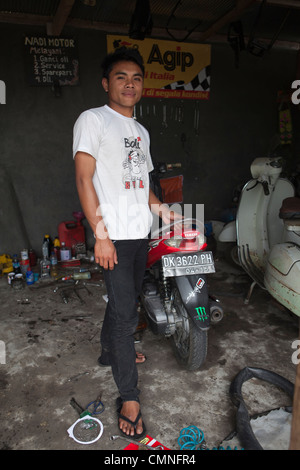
[{"x": 37, "y": 189}]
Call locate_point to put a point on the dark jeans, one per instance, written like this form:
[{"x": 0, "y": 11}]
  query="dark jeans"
[{"x": 123, "y": 285}]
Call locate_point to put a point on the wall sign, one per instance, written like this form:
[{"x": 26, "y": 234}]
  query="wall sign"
[
  {"x": 172, "y": 69},
  {"x": 51, "y": 60}
]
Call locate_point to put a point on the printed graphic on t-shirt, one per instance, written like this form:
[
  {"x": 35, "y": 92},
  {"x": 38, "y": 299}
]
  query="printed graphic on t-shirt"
[{"x": 134, "y": 164}]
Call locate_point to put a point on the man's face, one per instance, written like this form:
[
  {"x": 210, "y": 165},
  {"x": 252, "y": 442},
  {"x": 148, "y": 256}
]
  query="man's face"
[{"x": 124, "y": 87}]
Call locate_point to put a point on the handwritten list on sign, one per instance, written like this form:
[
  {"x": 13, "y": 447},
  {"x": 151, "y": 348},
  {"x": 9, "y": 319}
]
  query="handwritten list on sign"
[{"x": 50, "y": 60}]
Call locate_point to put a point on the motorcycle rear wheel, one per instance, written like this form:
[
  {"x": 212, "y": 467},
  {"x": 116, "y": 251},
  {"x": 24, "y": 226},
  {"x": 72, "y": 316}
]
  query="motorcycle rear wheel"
[{"x": 189, "y": 342}]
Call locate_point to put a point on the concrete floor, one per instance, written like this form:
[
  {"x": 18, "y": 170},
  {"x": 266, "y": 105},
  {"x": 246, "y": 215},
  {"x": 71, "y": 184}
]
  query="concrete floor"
[{"x": 51, "y": 356}]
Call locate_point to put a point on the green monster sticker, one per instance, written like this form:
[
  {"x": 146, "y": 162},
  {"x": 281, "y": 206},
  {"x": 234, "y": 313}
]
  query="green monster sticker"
[{"x": 202, "y": 315}]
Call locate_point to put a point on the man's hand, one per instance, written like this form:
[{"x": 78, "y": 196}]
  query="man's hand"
[
  {"x": 105, "y": 253},
  {"x": 170, "y": 216},
  {"x": 162, "y": 210}
]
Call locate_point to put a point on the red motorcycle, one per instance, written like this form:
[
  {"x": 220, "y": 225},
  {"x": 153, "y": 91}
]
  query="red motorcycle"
[{"x": 175, "y": 294}]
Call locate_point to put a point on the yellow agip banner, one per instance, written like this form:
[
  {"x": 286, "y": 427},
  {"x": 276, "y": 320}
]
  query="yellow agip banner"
[{"x": 172, "y": 69}]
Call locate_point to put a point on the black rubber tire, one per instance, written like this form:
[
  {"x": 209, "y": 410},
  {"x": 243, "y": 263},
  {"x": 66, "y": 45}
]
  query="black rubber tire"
[
  {"x": 231, "y": 254},
  {"x": 189, "y": 342}
]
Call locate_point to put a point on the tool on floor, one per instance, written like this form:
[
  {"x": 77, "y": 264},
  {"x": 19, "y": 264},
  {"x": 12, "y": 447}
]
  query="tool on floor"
[
  {"x": 81, "y": 411},
  {"x": 137, "y": 443},
  {"x": 75, "y": 377},
  {"x": 98, "y": 406},
  {"x": 93, "y": 284},
  {"x": 64, "y": 296},
  {"x": 191, "y": 438},
  {"x": 69, "y": 284},
  {"x": 64, "y": 286},
  {"x": 87, "y": 429},
  {"x": 78, "y": 296},
  {"x": 75, "y": 285}
]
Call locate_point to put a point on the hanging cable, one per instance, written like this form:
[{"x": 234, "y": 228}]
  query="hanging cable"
[{"x": 171, "y": 17}]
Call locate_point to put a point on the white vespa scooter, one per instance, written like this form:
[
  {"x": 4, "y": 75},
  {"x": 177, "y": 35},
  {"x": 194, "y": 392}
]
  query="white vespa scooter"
[{"x": 268, "y": 233}]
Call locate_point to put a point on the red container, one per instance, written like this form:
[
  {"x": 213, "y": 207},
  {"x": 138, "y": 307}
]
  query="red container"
[{"x": 71, "y": 233}]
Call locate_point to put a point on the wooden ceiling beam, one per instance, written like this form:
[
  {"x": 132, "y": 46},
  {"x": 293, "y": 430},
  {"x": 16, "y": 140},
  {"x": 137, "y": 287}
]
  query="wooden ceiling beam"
[
  {"x": 283, "y": 3},
  {"x": 24, "y": 18},
  {"x": 61, "y": 16}
]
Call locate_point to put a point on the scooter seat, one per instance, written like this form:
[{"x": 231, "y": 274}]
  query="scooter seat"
[{"x": 290, "y": 208}]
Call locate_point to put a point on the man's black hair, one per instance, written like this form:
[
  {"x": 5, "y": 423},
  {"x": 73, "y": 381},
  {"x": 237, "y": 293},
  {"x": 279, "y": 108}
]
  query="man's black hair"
[{"x": 119, "y": 55}]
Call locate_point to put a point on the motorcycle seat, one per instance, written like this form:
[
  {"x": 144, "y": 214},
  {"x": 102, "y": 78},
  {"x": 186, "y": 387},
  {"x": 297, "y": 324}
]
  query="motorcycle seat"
[{"x": 290, "y": 208}]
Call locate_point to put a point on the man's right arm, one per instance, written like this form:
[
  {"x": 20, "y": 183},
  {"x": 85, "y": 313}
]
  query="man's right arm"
[{"x": 105, "y": 252}]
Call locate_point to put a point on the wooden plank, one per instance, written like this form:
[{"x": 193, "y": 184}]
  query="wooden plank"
[
  {"x": 295, "y": 428},
  {"x": 61, "y": 16}
]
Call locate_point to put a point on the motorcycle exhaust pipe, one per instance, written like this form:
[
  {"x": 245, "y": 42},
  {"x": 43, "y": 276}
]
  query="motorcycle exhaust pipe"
[{"x": 216, "y": 313}]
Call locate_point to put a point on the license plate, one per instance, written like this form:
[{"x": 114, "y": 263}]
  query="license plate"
[{"x": 180, "y": 264}]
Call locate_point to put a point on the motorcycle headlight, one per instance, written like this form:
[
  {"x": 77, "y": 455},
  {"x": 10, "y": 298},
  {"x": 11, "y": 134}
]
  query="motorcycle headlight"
[{"x": 174, "y": 242}]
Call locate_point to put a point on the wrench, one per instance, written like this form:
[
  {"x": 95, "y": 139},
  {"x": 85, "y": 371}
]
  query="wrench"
[
  {"x": 137, "y": 443},
  {"x": 95, "y": 284},
  {"x": 78, "y": 296},
  {"x": 66, "y": 285}
]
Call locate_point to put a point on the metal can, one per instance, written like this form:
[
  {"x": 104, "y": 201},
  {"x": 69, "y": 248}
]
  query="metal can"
[
  {"x": 10, "y": 277},
  {"x": 25, "y": 266},
  {"x": 17, "y": 282}
]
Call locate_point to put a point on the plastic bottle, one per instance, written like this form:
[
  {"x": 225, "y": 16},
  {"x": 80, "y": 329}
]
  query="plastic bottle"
[
  {"x": 29, "y": 278},
  {"x": 45, "y": 268},
  {"x": 56, "y": 247},
  {"x": 86, "y": 275},
  {"x": 56, "y": 242},
  {"x": 65, "y": 252},
  {"x": 45, "y": 249},
  {"x": 16, "y": 264},
  {"x": 47, "y": 246},
  {"x": 32, "y": 257},
  {"x": 53, "y": 261}
]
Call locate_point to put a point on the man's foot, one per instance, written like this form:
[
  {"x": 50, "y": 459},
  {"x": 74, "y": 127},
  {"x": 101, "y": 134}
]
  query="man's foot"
[
  {"x": 130, "y": 420},
  {"x": 140, "y": 358},
  {"x": 103, "y": 360}
]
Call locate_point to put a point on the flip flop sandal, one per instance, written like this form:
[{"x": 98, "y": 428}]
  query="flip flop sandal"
[{"x": 136, "y": 435}]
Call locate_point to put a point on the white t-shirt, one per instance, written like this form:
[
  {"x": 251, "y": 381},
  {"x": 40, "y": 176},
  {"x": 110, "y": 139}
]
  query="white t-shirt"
[{"x": 121, "y": 148}]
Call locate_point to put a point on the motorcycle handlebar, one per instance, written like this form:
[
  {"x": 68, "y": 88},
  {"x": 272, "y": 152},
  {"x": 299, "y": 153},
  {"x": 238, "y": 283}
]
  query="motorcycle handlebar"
[{"x": 170, "y": 166}]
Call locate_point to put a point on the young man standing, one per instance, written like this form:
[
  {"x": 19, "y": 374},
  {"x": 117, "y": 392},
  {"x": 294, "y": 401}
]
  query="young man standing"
[{"x": 112, "y": 162}]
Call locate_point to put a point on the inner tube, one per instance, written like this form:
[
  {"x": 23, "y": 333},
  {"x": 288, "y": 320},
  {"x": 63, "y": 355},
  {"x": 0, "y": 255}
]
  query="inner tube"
[{"x": 243, "y": 426}]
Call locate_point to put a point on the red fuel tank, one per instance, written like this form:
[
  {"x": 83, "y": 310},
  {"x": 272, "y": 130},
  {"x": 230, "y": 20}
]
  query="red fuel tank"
[{"x": 71, "y": 233}]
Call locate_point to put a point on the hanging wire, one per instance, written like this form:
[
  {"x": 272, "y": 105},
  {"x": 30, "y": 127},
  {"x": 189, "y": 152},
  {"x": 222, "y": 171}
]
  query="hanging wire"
[{"x": 171, "y": 17}]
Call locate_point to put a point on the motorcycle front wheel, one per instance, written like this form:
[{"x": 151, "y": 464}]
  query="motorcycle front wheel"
[{"x": 189, "y": 342}]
